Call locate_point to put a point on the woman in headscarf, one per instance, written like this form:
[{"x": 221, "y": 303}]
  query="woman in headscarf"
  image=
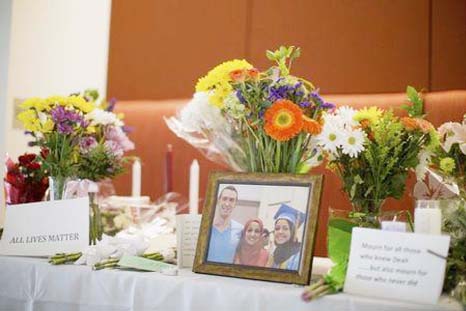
[
  {"x": 287, "y": 253},
  {"x": 250, "y": 250}
]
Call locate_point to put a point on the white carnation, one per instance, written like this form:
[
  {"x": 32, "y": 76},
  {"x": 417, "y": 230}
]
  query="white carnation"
[
  {"x": 199, "y": 114},
  {"x": 102, "y": 117}
]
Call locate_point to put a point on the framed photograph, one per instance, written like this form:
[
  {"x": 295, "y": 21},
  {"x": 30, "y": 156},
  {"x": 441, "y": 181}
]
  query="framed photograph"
[{"x": 259, "y": 226}]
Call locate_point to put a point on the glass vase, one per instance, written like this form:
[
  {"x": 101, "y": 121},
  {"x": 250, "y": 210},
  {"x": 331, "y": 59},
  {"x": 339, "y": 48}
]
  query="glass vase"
[{"x": 57, "y": 187}]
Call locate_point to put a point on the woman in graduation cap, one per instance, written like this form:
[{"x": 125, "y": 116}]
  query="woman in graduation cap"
[
  {"x": 287, "y": 251},
  {"x": 250, "y": 250}
]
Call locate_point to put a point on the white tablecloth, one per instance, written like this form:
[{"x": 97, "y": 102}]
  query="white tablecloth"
[{"x": 33, "y": 284}]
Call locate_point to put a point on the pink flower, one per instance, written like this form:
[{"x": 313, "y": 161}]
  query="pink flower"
[
  {"x": 87, "y": 144},
  {"x": 117, "y": 135},
  {"x": 114, "y": 148}
]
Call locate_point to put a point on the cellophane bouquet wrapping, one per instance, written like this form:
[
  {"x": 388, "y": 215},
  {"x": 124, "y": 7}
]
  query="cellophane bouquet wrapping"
[
  {"x": 255, "y": 121},
  {"x": 25, "y": 180},
  {"x": 442, "y": 176}
]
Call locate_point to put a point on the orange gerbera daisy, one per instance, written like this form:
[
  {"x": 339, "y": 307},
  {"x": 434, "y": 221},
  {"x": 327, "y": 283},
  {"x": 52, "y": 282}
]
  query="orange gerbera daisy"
[
  {"x": 311, "y": 126},
  {"x": 283, "y": 120},
  {"x": 409, "y": 123}
]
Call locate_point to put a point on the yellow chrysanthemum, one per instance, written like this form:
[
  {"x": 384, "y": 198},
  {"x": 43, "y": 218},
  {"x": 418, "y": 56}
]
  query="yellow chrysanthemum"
[
  {"x": 217, "y": 80},
  {"x": 220, "y": 74},
  {"x": 218, "y": 96},
  {"x": 29, "y": 120},
  {"x": 35, "y": 102},
  {"x": 90, "y": 129},
  {"x": 80, "y": 103},
  {"x": 53, "y": 101},
  {"x": 371, "y": 114},
  {"x": 48, "y": 126}
]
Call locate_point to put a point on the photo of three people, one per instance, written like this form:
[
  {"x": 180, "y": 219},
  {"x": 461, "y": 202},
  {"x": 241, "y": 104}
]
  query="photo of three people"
[{"x": 257, "y": 225}]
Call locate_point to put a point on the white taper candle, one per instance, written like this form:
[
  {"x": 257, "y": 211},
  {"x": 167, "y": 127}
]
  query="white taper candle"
[{"x": 136, "y": 182}]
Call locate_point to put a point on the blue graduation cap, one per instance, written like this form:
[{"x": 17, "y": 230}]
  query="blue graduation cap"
[{"x": 291, "y": 214}]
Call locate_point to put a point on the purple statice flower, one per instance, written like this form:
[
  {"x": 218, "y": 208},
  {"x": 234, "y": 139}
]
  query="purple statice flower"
[
  {"x": 127, "y": 129},
  {"x": 317, "y": 99},
  {"x": 305, "y": 104},
  {"x": 87, "y": 143},
  {"x": 261, "y": 113},
  {"x": 240, "y": 97},
  {"x": 111, "y": 104},
  {"x": 276, "y": 93},
  {"x": 329, "y": 106}
]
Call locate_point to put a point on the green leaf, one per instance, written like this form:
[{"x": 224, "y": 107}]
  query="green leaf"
[
  {"x": 270, "y": 55},
  {"x": 296, "y": 53},
  {"x": 417, "y": 106},
  {"x": 411, "y": 92},
  {"x": 282, "y": 52}
]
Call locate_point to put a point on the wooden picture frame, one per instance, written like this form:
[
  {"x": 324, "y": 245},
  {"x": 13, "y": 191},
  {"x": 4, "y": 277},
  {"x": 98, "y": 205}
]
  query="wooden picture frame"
[{"x": 287, "y": 205}]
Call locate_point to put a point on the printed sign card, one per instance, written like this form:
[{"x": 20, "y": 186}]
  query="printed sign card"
[
  {"x": 46, "y": 228},
  {"x": 187, "y": 231},
  {"x": 397, "y": 265}
]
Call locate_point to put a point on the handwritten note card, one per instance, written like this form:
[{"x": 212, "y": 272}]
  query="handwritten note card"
[
  {"x": 397, "y": 265},
  {"x": 46, "y": 228},
  {"x": 187, "y": 232}
]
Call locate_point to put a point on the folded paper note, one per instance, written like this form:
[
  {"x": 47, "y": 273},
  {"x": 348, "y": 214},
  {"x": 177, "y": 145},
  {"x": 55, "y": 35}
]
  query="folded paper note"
[
  {"x": 187, "y": 232},
  {"x": 397, "y": 265},
  {"x": 144, "y": 264},
  {"x": 46, "y": 228}
]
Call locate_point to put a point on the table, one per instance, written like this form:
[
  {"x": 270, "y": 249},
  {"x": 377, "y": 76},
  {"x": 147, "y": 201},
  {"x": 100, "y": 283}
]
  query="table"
[{"x": 28, "y": 284}]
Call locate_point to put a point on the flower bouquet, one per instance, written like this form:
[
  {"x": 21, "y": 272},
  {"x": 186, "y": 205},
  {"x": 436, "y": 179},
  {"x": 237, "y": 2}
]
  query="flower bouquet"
[
  {"x": 371, "y": 150},
  {"x": 82, "y": 142},
  {"x": 442, "y": 176},
  {"x": 25, "y": 180},
  {"x": 255, "y": 121}
]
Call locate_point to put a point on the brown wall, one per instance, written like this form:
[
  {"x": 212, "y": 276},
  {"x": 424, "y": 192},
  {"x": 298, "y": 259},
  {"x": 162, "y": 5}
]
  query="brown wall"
[{"x": 158, "y": 48}]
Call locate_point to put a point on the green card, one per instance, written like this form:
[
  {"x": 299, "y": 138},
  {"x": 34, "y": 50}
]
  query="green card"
[{"x": 144, "y": 264}]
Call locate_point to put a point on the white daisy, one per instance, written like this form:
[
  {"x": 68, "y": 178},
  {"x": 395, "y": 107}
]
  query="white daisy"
[
  {"x": 353, "y": 142},
  {"x": 347, "y": 116},
  {"x": 330, "y": 137},
  {"x": 99, "y": 116}
]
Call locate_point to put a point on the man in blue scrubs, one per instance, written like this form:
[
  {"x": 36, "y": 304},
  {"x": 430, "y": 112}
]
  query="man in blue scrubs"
[{"x": 226, "y": 232}]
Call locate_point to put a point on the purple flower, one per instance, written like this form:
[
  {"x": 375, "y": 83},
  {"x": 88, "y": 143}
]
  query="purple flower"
[
  {"x": 127, "y": 129},
  {"x": 64, "y": 128},
  {"x": 67, "y": 119},
  {"x": 328, "y": 106},
  {"x": 87, "y": 144},
  {"x": 304, "y": 104},
  {"x": 317, "y": 99},
  {"x": 111, "y": 104},
  {"x": 240, "y": 96},
  {"x": 261, "y": 113}
]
